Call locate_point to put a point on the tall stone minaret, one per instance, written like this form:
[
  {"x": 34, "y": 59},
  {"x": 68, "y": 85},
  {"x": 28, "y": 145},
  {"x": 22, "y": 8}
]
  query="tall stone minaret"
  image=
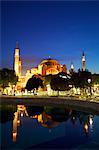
[
  {"x": 83, "y": 61},
  {"x": 17, "y": 62},
  {"x": 71, "y": 68}
]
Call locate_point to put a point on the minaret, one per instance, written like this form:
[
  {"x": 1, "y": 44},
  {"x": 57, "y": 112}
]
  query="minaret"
[
  {"x": 64, "y": 68},
  {"x": 17, "y": 62},
  {"x": 83, "y": 61},
  {"x": 71, "y": 68}
]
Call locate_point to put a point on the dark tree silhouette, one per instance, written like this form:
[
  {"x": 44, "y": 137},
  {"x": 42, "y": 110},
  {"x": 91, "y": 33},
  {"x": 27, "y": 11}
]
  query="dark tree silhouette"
[
  {"x": 95, "y": 78},
  {"x": 80, "y": 79},
  {"x": 58, "y": 83},
  {"x": 7, "y": 76},
  {"x": 34, "y": 82}
]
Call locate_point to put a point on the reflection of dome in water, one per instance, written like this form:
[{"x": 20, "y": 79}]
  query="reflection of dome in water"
[
  {"x": 58, "y": 114},
  {"x": 48, "y": 122},
  {"x": 34, "y": 110},
  {"x": 60, "y": 117},
  {"x": 49, "y": 61}
]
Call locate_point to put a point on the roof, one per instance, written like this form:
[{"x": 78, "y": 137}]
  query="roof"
[{"x": 49, "y": 61}]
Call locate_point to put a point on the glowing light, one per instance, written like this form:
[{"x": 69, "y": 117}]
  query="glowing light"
[
  {"x": 73, "y": 118},
  {"x": 90, "y": 121},
  {"x": 34, "y": 116},
  {"x": 21, "y": 114},
  {"x": 18, "y": 121},
  {"x": 89, "y": 80},
  {"x": 86, "y": 128},
  {"x": 14, "y": 136},
  {"x": 40, "y": 118},
  {"x": 70, "y": 85},
  {"x": 63, "y": 77}
]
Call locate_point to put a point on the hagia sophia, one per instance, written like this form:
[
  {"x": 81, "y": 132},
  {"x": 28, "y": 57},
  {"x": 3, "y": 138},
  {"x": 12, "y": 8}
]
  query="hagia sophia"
[{"x": 46, "y": 67}]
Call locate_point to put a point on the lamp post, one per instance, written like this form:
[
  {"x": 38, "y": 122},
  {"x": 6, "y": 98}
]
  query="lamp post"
[{"x": 89, "y": 81}]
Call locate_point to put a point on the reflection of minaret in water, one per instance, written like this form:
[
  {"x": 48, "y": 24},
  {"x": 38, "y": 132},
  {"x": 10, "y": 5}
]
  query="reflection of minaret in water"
[
  {"x": 16, "y": 122},
  {"x": 21, "y": 110},
  {"x": 83, "y": 61},
  {"x": 91, "y": 122},
  {"x": 15, "y": 127},
  {"x": 86, "y": 128}
]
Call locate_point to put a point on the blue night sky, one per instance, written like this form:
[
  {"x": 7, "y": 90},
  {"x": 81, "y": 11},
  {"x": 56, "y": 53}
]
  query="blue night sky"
[{"x": 57, "y": 29}]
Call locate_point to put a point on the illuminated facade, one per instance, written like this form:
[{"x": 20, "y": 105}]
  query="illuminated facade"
[{"x": 46, "y": 67}]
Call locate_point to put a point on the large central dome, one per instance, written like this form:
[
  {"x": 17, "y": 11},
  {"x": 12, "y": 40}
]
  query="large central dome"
[{"x": 49, "y": 61}]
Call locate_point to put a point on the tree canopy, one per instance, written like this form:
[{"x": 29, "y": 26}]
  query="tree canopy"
[
  {"x": 95, "y": 78},
  {"x": 34, "y": 82},
  {"x": 7, "y": 76},
  {"x": 59, "y": 83},
  {"x": 80, "y": 79},
  {"x": 47, "y": 79}
]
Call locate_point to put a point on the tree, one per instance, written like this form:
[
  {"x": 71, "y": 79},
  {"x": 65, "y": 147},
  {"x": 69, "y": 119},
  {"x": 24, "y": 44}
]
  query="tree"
[
  {"x": 47, "y": 79},
  {"x": 95, "y": 78},
  {"x": 59, "y": 83},
  {"x": 75, "y": 80},
  {"x": 80, "y": 79},
  {"x": 7, "y": 76},
  {"x": 34, "y": 82}
]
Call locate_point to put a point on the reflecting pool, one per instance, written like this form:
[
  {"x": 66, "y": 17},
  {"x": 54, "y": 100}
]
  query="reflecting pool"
[{"x": 47, "y": 127}]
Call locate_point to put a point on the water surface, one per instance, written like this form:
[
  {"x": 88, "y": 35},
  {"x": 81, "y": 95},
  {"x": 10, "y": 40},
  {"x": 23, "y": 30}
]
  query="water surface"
[{"x": 31, "y": 127}]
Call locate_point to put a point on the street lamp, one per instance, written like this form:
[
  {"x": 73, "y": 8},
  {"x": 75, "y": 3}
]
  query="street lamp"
[{"x": 89, "y": 81}]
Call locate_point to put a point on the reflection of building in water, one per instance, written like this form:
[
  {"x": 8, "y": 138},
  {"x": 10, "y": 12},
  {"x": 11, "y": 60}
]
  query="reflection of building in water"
[
  {"x": 46, "y": 120},
  {"x": 50, "y": 117},
  {"x": 86, "y": 128},
  {"x": 15, "y": 127},
  {"x": 21, "y": 111},
  {"x": 88, "y": 123},
  {"x": 91, "y": 122},
  {"x": 84, "y": 118}
]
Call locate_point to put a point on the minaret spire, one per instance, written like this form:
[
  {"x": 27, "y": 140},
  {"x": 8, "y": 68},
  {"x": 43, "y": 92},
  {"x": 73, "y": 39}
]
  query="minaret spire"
[
  {"x": 71, "y": 67},
  {"x": 17, "y": 45},
  {"x": 17, "y": 62},
  {"x": 83, "y": 61}
]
